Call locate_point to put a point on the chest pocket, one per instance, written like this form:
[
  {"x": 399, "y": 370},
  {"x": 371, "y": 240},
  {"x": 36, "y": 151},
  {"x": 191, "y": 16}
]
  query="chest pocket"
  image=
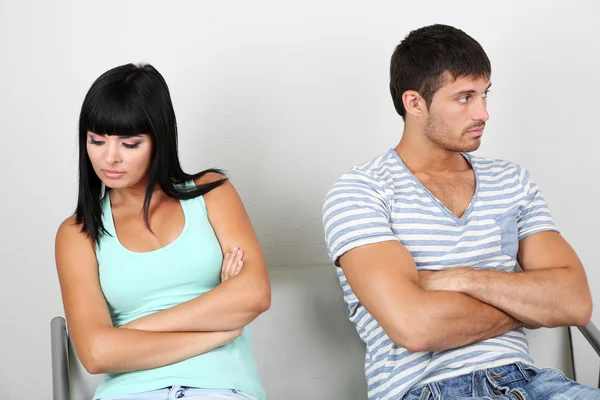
[{"x": 509, "y": 233}]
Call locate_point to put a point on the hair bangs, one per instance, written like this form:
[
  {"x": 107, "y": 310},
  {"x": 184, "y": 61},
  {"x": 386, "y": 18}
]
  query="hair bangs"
[{"x": 116, "y": 111}]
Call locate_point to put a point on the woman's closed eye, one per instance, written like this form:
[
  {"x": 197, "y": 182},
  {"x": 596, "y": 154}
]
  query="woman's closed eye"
[
  {"x": 131, "y": 145},
  {"x": 126, "y": 145},
  {"x": 96, "y": 142}
]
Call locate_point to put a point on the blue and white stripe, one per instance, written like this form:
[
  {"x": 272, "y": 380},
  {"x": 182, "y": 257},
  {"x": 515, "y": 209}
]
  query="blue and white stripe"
[{"x": 382, "y": 200}]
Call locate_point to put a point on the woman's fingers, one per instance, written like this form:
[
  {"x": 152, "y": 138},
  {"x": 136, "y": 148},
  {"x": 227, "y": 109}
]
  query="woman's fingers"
[
  {"x": 238, "y": 268},
  {"x": 232, "y": 264}
]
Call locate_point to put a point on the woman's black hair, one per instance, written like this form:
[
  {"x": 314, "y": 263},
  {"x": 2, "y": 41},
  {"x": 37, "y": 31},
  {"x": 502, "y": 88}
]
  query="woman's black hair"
[{"x": 131, "y": 100}]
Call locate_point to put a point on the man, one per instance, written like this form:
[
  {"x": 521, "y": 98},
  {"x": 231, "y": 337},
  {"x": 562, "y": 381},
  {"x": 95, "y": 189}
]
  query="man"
[{"x": 426, "y": 239}]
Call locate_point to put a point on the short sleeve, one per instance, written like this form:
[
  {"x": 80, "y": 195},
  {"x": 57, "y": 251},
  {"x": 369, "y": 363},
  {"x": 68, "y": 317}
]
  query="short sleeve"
[
  {"x": 535, "y": 215},
  {"x": 356, "y": 212}
]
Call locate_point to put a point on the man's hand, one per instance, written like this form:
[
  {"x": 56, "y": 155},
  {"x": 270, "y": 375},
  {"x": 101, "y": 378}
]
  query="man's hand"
[{"x": 453, "y": 280}]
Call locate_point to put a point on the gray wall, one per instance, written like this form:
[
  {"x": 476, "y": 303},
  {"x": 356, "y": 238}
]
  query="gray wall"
[{"x": 284, "y": 96}]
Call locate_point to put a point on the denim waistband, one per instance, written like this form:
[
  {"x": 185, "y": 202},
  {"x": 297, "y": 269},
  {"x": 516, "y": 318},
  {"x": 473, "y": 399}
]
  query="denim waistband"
[{"x": 468, "y": 384}]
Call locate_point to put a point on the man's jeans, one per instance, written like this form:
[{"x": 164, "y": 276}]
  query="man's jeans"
[{"x": 509, "y": 382}]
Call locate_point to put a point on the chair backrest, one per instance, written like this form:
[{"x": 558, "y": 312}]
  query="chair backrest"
[
  {"x": 307, "y": 349},
  {"x": 70, "y": 380},
  {"x": 550, "y": 348},
  {"x": 586, "y": 354}
]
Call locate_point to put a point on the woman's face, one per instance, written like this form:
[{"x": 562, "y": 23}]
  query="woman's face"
[{"x": 120, "y": 161}]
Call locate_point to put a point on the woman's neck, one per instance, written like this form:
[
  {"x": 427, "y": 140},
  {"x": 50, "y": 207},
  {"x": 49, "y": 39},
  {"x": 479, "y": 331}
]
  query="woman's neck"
[{"x": 135, "y": 195}]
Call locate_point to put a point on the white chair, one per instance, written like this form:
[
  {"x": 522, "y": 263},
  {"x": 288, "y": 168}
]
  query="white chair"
[{"x": 304, "y": 345}]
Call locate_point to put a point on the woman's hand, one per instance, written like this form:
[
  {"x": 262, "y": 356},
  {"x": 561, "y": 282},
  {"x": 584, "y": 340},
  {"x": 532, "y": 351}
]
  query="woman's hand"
[
  {"x": 232, "y": 264},
  {"x": 230, "y": 336}
]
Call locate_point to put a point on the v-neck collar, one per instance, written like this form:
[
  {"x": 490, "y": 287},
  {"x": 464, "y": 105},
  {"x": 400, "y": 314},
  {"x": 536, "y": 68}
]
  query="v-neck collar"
[{"x": 462, "y": 220}]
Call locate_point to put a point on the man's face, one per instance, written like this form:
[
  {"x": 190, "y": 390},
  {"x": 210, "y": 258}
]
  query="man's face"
[{"x": 458, "y": 113}]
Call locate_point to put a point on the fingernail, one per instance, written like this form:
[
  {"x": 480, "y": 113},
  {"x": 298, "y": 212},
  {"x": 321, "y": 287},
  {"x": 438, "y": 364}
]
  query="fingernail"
[
  {"x": 239, "y": 252},
  {"x": 235, "y": 249},
  {"x": 240, "y": 263}
]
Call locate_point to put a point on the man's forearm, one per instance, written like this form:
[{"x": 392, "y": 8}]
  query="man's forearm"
[
  {"x": 449, "y": 320},
  {"x": 545, "y": 297}
]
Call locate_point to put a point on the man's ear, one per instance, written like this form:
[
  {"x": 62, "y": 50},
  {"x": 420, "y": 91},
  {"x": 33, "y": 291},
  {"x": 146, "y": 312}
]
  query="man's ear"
[{"x": 414, "y": 104}]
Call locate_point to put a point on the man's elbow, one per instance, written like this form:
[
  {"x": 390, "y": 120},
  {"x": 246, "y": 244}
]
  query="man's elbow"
[
  {"x": 583, "y": 315},
  {"x": 411, "y": 337},
  {"x": 577, "y": 313},
  {"x": 580, "y": 307},
  {"x": 417, "y": 344}
]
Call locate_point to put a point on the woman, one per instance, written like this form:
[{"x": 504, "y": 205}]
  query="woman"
[{"x": 149, "y": 298}]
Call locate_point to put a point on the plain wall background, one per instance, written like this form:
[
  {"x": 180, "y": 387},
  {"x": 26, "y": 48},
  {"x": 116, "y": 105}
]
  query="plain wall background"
[{"x": 285, "y": 96}]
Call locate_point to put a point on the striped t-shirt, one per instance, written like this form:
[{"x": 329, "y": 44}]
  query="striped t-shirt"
[{"x": 382, "y": 200}]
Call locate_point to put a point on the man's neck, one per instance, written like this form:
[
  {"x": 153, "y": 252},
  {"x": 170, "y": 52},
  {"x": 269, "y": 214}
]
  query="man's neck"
[{"x": 421, "y": 155}]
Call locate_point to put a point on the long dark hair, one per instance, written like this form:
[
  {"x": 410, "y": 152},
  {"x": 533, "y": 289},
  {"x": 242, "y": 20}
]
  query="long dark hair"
[{"x": 130, "y": 100}]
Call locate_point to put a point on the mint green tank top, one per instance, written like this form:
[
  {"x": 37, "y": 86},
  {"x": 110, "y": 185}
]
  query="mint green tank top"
[{"x": 139, "y": 284}]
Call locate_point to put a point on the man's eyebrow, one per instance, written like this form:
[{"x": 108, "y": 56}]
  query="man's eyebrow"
[{"x": 470, "y": 91}]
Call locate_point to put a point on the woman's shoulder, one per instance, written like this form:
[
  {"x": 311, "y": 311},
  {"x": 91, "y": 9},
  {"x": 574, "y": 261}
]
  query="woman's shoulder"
[
  {"x": 69, "y": 226},
  {"x": 71, "y": 232}
]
